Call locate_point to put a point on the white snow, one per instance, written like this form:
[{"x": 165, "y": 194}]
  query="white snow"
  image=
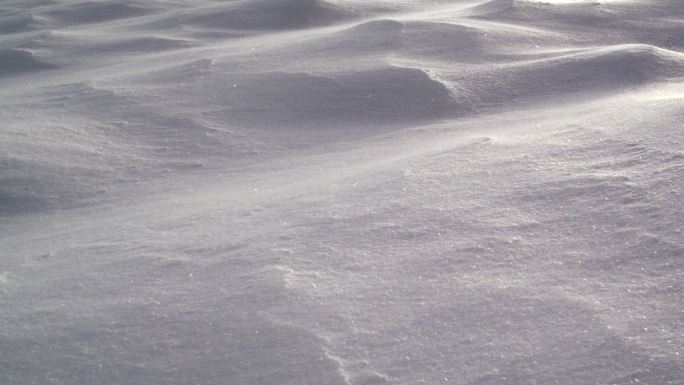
[{"x": 341, "y": 192}]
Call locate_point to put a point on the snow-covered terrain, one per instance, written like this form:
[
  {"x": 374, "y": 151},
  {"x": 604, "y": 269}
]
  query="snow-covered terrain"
[{"x": 331, "y": 192}]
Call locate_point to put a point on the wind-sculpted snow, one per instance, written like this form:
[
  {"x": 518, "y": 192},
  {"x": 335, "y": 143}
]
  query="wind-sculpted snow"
[
  {"x": 15, "y": 23},
  {"x": 341, "y": 192},
  {"x": 17, "y": 60},
  {"x": 95, "y": 12},
  {"x": 266, "y": 15}
]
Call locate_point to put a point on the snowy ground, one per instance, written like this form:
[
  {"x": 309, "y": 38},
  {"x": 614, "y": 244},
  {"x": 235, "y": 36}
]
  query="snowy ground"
[{"x": 306, "y": 192}]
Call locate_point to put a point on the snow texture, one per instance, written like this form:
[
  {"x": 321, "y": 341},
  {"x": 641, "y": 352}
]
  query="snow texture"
[{"x": 341, "y": 192}]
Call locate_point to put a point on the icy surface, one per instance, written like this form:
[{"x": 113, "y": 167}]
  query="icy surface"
[{"x": 335, "y": 192}]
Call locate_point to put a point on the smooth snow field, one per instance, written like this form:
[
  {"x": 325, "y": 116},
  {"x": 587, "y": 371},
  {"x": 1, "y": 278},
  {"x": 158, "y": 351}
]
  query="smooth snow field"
[{"x": 341, "y": 192}]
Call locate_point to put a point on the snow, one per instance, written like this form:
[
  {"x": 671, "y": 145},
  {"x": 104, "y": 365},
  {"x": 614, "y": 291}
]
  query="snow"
[{"x": 341, "y": 192}]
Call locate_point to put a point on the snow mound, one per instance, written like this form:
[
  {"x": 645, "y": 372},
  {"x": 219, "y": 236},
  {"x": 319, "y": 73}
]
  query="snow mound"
[
  {"x": 265, "y": 15},
  {"x": 96, "y": 12},
  {"x": 13, "y": 61},
  {"x": 341, "y": 192}
]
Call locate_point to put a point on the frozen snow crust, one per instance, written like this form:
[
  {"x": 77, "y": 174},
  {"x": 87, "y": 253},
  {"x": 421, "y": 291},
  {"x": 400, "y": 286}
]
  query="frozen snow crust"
[{"x": 341, "y": 192}]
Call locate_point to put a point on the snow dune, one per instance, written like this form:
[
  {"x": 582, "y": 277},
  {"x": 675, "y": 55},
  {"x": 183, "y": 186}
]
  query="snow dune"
[{"x": 341, "y": 192}]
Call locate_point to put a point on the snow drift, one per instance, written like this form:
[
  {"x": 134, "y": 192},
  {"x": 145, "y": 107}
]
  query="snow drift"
[{"x": 341, "y": 192}]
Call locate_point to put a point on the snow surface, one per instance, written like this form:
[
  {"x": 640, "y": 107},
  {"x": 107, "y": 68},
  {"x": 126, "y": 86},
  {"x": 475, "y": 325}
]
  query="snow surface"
[{"x": 341, "y": 192}]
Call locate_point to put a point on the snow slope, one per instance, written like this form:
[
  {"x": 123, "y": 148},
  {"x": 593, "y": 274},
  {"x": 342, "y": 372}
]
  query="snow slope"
[{"x": 341, "y": 192}]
